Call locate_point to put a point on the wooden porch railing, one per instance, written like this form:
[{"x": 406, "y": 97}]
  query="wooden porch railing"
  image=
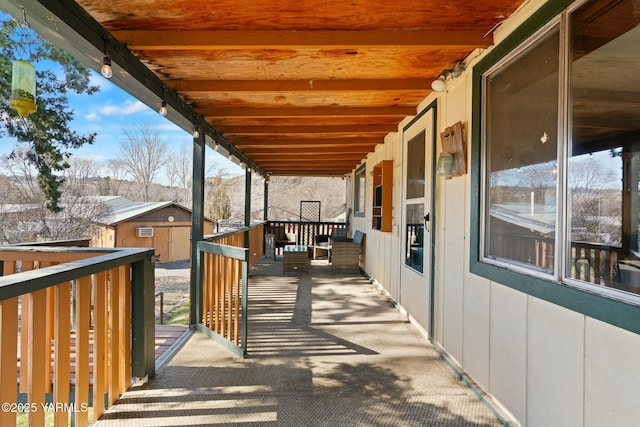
[
  {"x": 224, "y": 261},
  {"x": 72, "y": 320},
  {"x": 306, "y": 231}
]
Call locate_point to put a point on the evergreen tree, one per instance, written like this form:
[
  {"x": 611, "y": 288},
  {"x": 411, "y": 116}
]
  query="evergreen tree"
[{"x": 45, "y": 132}]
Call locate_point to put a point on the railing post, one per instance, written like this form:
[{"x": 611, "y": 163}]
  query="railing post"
[
  {"x": 143, "y": 319},
  {"x": 197, "y": 228}
]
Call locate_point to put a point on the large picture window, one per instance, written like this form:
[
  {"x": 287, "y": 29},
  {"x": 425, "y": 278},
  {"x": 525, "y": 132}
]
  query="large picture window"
[{"x": 561, "y": 159}]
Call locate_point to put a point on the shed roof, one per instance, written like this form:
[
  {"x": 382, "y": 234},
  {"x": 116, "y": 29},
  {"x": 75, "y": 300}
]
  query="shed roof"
[{"x": 135, "y": 209}]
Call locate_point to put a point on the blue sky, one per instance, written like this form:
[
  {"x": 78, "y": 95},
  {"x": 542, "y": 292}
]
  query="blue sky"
[{"x": 109, "y": 111}]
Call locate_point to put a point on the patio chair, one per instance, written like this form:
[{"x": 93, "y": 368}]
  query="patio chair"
[
  {"x": 345, "y": 253},
  {"x": 282, "y": 238},
  {"x": 321, "y": 245}
]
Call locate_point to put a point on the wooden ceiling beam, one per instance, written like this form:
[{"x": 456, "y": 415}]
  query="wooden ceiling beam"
[
  {"x": 298, "y": 130},
  {"x": 196, "y": 86},
  {"x": 305, "y": 143},
  {"x": 249, "y": 112},
  {"x": 295, "y": 39},
  {"x": 323, "y": 149},
  {"x": 266, "y": 158}
]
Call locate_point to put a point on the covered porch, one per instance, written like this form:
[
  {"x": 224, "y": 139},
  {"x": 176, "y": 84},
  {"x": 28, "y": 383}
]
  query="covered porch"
[{"x": 323, "y": 349}]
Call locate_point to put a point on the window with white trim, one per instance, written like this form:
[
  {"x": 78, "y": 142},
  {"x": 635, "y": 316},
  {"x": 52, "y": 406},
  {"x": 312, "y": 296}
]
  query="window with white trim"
[
  {"x": 561, "y": 159},
  {"x": 359, "y": 189}
]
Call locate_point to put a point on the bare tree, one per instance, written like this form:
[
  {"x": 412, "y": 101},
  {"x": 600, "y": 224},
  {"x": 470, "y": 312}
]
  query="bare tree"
[
  {"x": 142, "y": 155},
  {"x": 27, "y": 218},
  {"x": 217, "y": 200},
  {"x": 179, "y": 174}
]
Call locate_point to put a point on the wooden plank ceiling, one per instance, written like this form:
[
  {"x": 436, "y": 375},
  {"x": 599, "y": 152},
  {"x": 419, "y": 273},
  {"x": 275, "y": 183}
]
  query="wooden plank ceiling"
[{"x": 302, "y": 87}]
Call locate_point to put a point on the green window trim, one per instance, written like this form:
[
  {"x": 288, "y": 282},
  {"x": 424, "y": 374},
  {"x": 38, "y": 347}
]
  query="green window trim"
[{"x": 618, "y": 310}]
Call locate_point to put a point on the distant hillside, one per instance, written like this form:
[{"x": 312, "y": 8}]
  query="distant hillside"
[{"x": 285, "y": 195}]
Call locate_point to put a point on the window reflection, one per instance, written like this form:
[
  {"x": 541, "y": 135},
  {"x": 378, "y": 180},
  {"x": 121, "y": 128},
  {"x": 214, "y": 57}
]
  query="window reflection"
[
  {"x": 602, "y": 175},
  {"x": 414, "y": 237},
  {"x": 522, "y": 153}
]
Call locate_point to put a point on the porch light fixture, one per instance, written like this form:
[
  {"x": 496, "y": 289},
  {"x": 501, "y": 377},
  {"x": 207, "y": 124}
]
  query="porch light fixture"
[
  {"x": 440, "y": 84},
  {"x": 106, "y": 70},
  {"x": 216, "y": 146},
  {"x": 196, "y": 132},
  {"x": 163, "y": 108},
  {"x": 445, "y": 165}
]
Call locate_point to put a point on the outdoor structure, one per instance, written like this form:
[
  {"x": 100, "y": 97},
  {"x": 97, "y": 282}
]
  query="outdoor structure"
[
  {"x": 164, "y": 226},
  {"x": 538, "y": 306}
]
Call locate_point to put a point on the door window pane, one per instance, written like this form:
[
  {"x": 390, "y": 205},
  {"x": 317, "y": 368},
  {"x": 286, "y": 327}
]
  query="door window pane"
[
  {"x": 415, "y": 166},
  {"x": 522, "y": 140},
  {"x": 414, "y": 236}
]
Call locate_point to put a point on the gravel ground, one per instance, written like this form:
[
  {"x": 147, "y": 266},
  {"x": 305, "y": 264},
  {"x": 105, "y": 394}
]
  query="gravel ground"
[{"x": 172, "y": 279}]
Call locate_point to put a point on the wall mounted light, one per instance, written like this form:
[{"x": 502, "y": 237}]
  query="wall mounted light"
[
  {"x": 440, "y": 84},
  {"x": 196, "y": 132},
  {"x": 163, "y": 108},
  {"x": 445, "y": 165}
]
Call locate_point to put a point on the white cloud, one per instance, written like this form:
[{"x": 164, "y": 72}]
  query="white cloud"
[
  {"x": 92, "y": 117},
  {"x": 129, "y": 107}
]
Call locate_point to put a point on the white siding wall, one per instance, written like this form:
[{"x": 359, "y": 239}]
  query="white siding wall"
[{"x": 546, "y": 365}]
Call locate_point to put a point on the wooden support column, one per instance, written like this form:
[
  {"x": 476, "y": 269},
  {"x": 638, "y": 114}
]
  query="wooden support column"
[
  {"x": 266, "y": 199},
  {"x": 197, "y": 228},
  {"x": 247, "y": 205},
  {"x": 247, "y": 197}
]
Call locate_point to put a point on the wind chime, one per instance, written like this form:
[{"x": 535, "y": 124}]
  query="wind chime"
[{"x": 23, "y": 84}]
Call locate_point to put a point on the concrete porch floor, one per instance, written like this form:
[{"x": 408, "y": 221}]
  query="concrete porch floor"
[{"x": 324, "y": 350}]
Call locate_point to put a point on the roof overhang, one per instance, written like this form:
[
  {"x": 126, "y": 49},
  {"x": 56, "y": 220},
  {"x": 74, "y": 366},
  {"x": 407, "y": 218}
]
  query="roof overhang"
[{"x": 288, "y": 88}]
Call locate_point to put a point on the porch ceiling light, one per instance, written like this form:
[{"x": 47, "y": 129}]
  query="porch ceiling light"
[
  {"x": 106, "y": 70},
  {"x": 163, "y": 108}
]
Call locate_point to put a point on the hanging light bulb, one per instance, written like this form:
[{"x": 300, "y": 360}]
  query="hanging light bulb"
[
  {"x": 163, "y": 108},
  {"x": 216, "y": 146},
  {"x": 196, "y": 133},
  {"x": 23, "y": 88},
  {"x": 106, "y": 70}
]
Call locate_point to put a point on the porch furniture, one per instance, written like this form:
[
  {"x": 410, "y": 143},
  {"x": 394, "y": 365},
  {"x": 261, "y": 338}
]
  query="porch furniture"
[
  {"x": 270, "y": 246},
  {"x": 321, "y": 245},
  {"x": 282, "y": 238},
  {"x": 345, "y": 252},
  {"x": 295, "y": 259}
]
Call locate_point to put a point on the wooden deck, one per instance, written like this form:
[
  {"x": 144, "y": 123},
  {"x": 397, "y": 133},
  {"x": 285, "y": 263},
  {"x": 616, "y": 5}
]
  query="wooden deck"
[{"x": 166, "y": 336}]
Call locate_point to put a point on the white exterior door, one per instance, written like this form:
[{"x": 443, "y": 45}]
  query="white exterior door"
[{"x": 415, "y": 235}]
